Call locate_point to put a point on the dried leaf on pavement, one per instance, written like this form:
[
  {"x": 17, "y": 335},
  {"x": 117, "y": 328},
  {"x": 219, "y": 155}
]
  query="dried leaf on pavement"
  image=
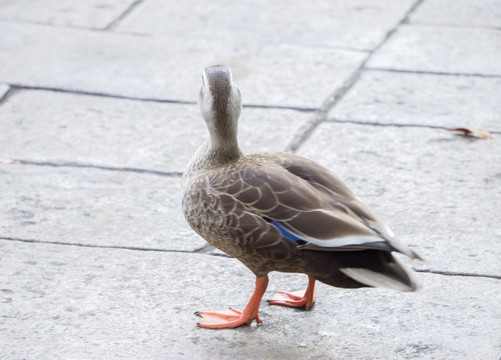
[{"x": 481, "y": 134}]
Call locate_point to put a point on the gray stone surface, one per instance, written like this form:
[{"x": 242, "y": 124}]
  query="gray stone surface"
[
  {"x": 439, "y": 192},
  {"x": 3, "y": 90},
  {"x": 462, "y": 50},
  {"x": 64, "y": 302},
  {"x": 459, "y": 12},
  {"x": 89, "y": 206},
  {"x": 358, "y": 24},
  {"x": 125, "y": 133},
  {"x": 78, "y": 59},
  {"x": 76, "y": 281},
  {"x": 166, "y": 67},
  {"x": 434, "y": 100},
  {"x": 88, "y": 14}
]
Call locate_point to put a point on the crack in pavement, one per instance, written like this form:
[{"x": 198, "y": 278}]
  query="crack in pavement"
[{"x": 205, "y": 250}]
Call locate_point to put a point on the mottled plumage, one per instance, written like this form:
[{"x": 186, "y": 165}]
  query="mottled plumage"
[{"x": 281, "y": 212}]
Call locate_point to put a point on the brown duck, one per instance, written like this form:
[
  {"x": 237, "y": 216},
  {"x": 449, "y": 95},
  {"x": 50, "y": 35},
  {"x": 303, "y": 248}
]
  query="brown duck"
[{"x": 280, "y": 212}]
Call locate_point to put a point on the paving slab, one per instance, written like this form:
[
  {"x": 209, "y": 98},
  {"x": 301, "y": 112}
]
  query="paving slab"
[
  {"x": 64, "y": 302},
  {"x": 59, "y": 127},
  {"x": 359, "y": 24},
  {"x": 458, "y": 12},
  {"x": 423, "y": 99},
  {"x": 441, "y": 49},
  {"x": 96, "y": 14},
  {"x": 96, "y": 207},
  {"x": 439, "y": 192},
  {"x": 291, "y": 75},
  {"x": 167, "y": 68}
]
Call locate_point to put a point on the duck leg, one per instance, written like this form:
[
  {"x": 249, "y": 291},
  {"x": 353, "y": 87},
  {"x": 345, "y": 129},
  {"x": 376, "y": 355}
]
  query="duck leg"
[
  {"x": 298, "y": 299},
  {"x": 233, "y": 318}
]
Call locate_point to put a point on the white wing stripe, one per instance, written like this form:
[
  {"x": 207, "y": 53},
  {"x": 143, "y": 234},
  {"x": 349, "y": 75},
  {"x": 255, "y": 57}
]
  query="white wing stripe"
[{"x": 344, "y": 241}]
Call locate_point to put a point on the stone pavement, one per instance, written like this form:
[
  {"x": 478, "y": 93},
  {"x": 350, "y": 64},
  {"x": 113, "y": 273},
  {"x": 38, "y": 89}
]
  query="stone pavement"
[{"x": 98, "y": 117}]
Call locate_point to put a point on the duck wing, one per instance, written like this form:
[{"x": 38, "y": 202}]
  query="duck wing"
[{"x": 308, "y": 205}]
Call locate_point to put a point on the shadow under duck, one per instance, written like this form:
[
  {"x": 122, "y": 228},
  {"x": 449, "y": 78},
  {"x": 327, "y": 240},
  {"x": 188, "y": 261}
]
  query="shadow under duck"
[{"x": 280, "y": 212}]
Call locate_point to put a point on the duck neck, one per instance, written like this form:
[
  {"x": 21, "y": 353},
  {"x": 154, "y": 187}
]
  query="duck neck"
[{"x": 223, "y": 145}]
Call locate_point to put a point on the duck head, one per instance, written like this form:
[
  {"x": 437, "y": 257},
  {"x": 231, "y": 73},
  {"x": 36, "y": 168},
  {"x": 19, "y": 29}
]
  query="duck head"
[{"x": 220, "y": 101}]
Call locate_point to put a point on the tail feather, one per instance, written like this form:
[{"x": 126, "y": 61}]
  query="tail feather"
[
  {"x": 366, "y": 268},
  {"x": 396, "y": 276}
]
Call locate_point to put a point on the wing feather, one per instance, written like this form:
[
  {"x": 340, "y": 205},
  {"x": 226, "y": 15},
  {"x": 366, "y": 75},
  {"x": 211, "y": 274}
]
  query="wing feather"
[{"x": 311, "y": 203}]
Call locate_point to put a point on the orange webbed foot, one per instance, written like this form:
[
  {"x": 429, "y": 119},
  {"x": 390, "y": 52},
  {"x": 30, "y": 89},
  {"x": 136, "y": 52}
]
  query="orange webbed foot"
[
  {"x": 232, "y": 318},
  {"x": 225, "y": 319},
  {"x": 298, "y": 299},
  {"x": 292, "y": 299}
]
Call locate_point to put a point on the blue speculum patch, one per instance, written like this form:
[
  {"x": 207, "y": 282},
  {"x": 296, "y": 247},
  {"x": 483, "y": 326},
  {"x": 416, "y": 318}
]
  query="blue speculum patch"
[{"x": 287, "y": 234}]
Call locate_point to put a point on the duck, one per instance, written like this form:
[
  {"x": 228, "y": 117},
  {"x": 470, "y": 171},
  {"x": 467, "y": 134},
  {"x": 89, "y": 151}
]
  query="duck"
[{"x": 281, "y": 212}]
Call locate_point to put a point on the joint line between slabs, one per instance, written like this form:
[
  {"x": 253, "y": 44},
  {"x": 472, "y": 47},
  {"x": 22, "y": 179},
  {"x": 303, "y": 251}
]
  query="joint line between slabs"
[
  {"x": 431, "y": 72},
  {"x": 123, "y": 15},
  {"x": 198, "y": 251},
  {"x": 118, "y": 247},
  {"x": 100, "y": 94},
  {"x": 89, "y": 166},
  {"x": 331, "y": 101},
  {"x": 456, "y": 26},
  {"x": 147, "y": 99},
  {"x": 10, "y": 91},
  {"x": 457, "y": 273},
  {"x": 374, "y": 123}
]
